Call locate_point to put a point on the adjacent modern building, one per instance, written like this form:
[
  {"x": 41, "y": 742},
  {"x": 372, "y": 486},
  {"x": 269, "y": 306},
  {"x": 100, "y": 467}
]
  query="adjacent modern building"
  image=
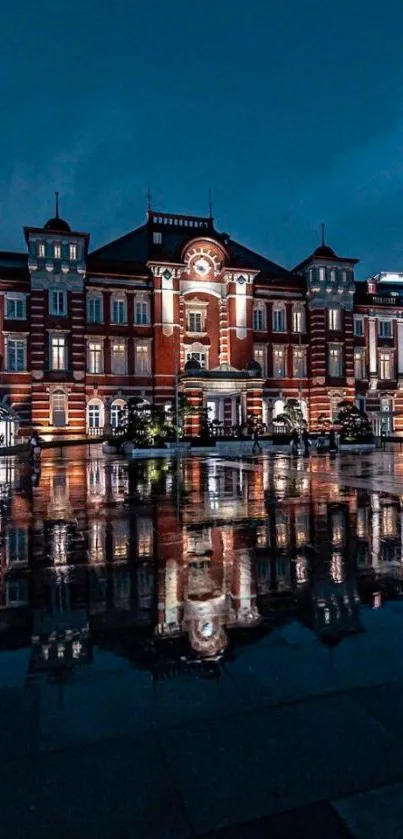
[{"x": 175, "y": 303}]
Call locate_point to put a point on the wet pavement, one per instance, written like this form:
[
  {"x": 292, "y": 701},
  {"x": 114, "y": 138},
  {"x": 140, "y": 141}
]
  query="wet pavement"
[{"x": 209, "y": 647}]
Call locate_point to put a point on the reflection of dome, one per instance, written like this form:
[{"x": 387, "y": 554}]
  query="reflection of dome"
[
  {"x": 57, "y": 225},
  {"x": 206, "y": 629},
  {"x": 325, "y": 251}
]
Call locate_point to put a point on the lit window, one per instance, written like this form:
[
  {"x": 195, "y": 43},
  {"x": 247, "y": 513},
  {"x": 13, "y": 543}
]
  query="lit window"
[
  {"x": 358, "y": 326},
  {"x": 16, "y": 306},
  {"x": 57, "y": 302},
  {"x": 279, "y": 319},
  {"x": 73, "y": 251},
  {"x": 279, "y": 365},
  {"x": 385, "y": 328},
  {"x": 141, "y": 313},
  {"x": 117, "y": 410},
  {"x": 201, "y": 357},
  {"x": 59, "y": 409},
  {"x": 335, "y": 360},
  {"x": 260, "y": 355},
  {"x": 40, "y": 249},
  {"x": 299, "y": 363},
  {"x": 385, "y": 365},
  {"x": 334, "y": 320},
  {"x": 118, "y": 310},
  {"x": 16, "y": 352},
  {"x": 143, "y": 359},
  {"x": 322, "y": 274},
  {"x": 298, "y": 319},
  {"x": 259, "y": 320},
  {"x": 57, "y": 251},
  {"x": 95, "y": 359},
  {"x": 195, "y": 322},
  {"x": 58, "y": 352},
  {"x": 359, "y": 363},
  {"x": 118, "y": 357},
  {"x": 94, "y": 309},
  {"x": 94, "y": 415},
  {"x": 157, "y": 238}
]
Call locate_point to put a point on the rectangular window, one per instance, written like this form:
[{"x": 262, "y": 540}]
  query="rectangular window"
[
  {"x": 95, "y": 361},
  {"x": 358, "y": 326},
  {"x": 143, "y": 359},
  {"x": 16, "y": 545},
  {"x": 279, "y": 324},
  {"x": 16, "y": 306},
  {"x": 57, "y": 251},
  {"x": 359, "y": 364},
  {"x": 141, "y": 313},
  {"x": 334, "y": 320},
  {"x": 260, "y": 355},
  {"x": 299, "y": 363},
  {"x": 259, "y": 319},
  {"x": 195, "y": 321},
  {"x": 118, "y": 314},
  {"x": 335, "y": 361},
  {"x": 386, "y": 365},
  {"x": 298, "y": 320},
  {"x": 279, "y": 362},
  {"x": 58, "y": 352},
  {"x": 157, "y": 238},
  {"x": 57, "y": 302},
  {"x": 94, "y": 310},
  {"x": 385, "y": 328},
  {"x": 73, "y": 252},
  {"x": 118, "y": 357},
  {"x": 16, "y": 354},
  {"x": 40, "y": 249}
]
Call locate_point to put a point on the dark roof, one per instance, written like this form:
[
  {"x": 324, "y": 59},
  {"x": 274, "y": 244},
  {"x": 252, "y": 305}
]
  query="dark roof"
[
  {"x": 137, "y": 246},
  {"x": 13, "y": 266},
  {"x": 324, "y": 250},
  {"x": 57, "y": 225}
]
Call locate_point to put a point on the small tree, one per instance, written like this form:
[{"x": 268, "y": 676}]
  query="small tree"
[
  {"x": 292, "y": 415},
  {"x": 355, "y": 425}
]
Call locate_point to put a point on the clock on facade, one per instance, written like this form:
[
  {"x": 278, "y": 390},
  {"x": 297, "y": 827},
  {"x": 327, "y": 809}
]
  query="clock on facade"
[{"x": 201, "y": 265}]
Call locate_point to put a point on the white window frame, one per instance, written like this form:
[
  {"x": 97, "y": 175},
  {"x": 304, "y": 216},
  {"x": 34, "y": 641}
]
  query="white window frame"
[
  {"x": 119, "y": 298},
  {"x": 259, "y": 317},
  {"x": 122, "y": 343},
  {"x": 386, "y": 357},
  {"x": 41, "y": 250},
  {"x": 95, "y": 355},
  {"x": 298, "y": 319},
  {"x": 195, "y": 312},
  {"x": 359, "y": 319},
  {"x": 139, "y": 371},
  {"x": 58, "y": 392},
  {"x": 334, "y": 319},
  {"x": 332, "y": 348},
  {"x": 283, "y": 349},
  {"x": 359, "y": 364},
  {"x": 61, "y": 294},
  {"x": 389, "y": 329},
  {"x": 57, "y": 336},
  {"x": 198, "y": 351},
  {"x": 95, "y": 403},
  {"x": 144, "y": 306},
  {"x": 95, "y": 297},
  {"x": 299, "y": 354},
  {"x": 116, "y": 406},
  {"x": 279, "y": 309},
  {"x": 73, "y": 252},
  {"x": 57, "y": 250},
  {"x": 260, "y": 355},
  {"x": 15, "y": 339},
  {"x": 15, "y": 297}
]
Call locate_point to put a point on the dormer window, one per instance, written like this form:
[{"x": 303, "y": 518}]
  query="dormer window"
[
  {"x": 57, "y": 251},
  {"x": 40, "y": 249},
  {"x": 157, "y": 238},
  {"x": 73, "y": 251}
]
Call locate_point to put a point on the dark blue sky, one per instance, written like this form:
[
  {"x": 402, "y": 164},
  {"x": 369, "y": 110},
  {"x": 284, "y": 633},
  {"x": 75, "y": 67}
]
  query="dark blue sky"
[{"x": 291, "y": 110}]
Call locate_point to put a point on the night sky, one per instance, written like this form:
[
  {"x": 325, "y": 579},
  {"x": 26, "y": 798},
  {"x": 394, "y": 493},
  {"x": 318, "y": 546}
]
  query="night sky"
[{"x": 291, "y": 111}]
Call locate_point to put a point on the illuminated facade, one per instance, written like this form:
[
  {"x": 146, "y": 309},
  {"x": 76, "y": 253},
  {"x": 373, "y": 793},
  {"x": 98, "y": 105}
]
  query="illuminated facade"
[{"x": 82, "y": 331}]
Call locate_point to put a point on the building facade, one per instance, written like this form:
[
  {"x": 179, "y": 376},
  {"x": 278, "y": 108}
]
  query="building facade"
[{"x": 176, "y": 304}]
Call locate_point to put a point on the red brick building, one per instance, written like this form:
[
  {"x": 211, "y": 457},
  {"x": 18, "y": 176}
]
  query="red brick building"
[{"x": 175, "y": 299}]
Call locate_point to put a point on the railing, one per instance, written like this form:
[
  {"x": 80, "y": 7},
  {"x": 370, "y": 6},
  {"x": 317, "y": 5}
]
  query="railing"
[{"x": 93, "y": 431}]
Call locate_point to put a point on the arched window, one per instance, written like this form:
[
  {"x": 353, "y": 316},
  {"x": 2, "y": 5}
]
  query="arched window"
[
  {"x": 95, "y": 414},
  {"x": 199, "y": 352},
  {"x": 278, "y": 408},
  {"x": 279, "y": 318},
  {"x": 298, "y": 318},
  {"x": 118, "y": 307},
  {"x": 59, "y": 408},
  {"x": 116, "y": 410},
  {"x": 259, "y": 317}
]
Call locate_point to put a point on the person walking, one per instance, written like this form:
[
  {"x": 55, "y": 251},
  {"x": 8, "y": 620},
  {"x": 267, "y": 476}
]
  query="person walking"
[
  {"x": 294, "y": 442},
  {"x": 306, "y": 441},
  {"x": 256, "y": 448},
  {"x": 332, "y": 441}
]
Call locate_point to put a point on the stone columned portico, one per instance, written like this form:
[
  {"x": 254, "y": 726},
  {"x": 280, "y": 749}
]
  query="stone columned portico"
[{"x": 231, "y": 396}]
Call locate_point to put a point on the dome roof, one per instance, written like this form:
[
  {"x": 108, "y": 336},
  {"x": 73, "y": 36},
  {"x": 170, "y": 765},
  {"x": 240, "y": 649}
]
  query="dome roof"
[
  {"x": 57, "y": 225},
  {"x": 325, "y": 251}
]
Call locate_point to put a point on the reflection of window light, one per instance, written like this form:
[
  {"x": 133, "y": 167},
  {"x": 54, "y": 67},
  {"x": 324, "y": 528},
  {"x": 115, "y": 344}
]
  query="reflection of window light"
[
  {"x": 76, "y": 647},
  {"x": 96, "y": 542},
  {"x": 337, "y": 528},
  {"x": 327, "y": 615},
  {"x": 336, "y": 568},
  {"x": 96, "y": 478},
  {"x": 301, "y": 570},
  {"x": 144, "y": 537},
  {"x": 261, "y": 536},
  {"x": 59, "y": 544},
  {"x": 16, "y": 592},
  {"x": 361, "y": 523},
  {"x": 119, "y": 481},
  {"x": 389, "y": 521},
  {"x": 120, "y": 539},
  {"x": 16, "y": 544}
]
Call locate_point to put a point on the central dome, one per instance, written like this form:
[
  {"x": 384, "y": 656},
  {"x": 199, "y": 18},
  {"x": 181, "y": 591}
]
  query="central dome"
[
  {"x": 325, "y": 251},
  {"x": 57, "y": 225}
]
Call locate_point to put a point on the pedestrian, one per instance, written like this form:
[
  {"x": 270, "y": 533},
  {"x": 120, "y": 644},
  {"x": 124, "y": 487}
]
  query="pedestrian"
[
  {"x": 35, "y": 446},
  {"x": 332, "y": 441},
  {"x": 306, "y": 441},
  {"x": 256, "y": 445},
  {"x": 294, "y": 442}
]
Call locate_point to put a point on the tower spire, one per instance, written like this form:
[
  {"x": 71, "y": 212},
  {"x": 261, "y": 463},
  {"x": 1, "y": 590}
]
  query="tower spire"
[
  {"x": 57, "y": 204},
  {"x": 323, "y": 234}
]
